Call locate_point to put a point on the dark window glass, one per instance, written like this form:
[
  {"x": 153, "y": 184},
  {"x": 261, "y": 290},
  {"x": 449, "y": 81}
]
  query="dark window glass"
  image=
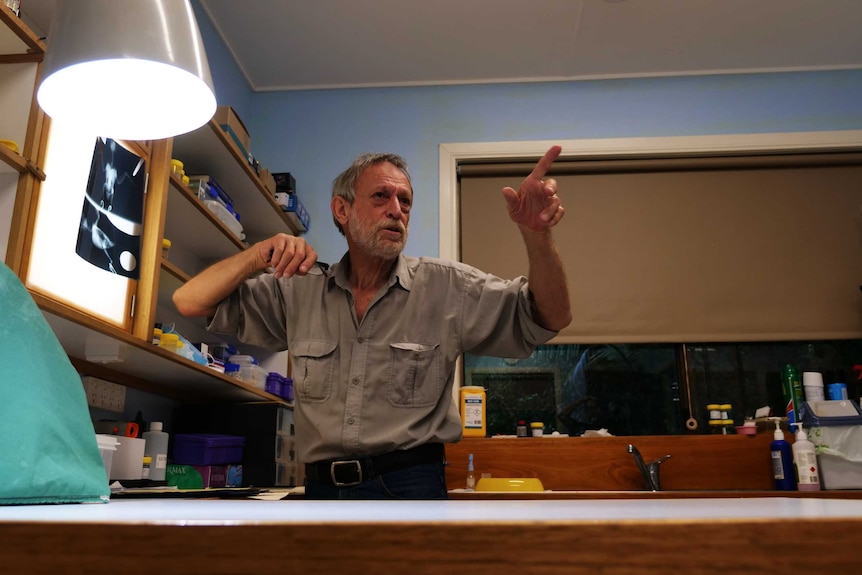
[{"x": 637, "y": 389}]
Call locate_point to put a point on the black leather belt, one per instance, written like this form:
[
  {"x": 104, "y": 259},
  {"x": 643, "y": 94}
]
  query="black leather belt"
[{"x": 350, "y": 472}]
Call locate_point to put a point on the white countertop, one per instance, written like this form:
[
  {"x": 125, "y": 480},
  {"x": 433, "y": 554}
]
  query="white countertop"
[{"x": 252, "y": 512}]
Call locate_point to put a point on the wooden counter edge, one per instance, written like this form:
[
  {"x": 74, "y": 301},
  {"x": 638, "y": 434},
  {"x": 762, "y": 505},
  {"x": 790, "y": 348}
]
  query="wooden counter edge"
[{"x": 571, "y": 547}]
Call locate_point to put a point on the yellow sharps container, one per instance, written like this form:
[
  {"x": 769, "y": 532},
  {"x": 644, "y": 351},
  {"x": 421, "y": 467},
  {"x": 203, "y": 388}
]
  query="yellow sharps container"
[{"x": 473, "y": 411}]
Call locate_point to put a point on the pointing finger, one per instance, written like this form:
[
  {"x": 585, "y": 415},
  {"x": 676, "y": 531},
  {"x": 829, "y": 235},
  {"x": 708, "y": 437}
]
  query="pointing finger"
[{"x": 545, "y": 163}]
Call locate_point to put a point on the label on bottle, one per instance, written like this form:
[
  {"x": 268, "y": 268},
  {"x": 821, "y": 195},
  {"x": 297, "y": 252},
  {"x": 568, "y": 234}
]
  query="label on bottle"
[
  {"x": 806, "y": 468},
  {"x": 777, "y": 466},
  {"x": 473, "y": 411},
  {"x": 160, "y": 461}
]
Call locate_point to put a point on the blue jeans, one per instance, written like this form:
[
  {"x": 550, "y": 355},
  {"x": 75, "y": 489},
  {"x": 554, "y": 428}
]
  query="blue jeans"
[{"x": 425, "y": 481}]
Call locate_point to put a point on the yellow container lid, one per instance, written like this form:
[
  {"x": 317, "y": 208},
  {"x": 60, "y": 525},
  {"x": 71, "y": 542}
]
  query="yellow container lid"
[
  {"x": 11, "y": 144},
  {"x": 166, "y": 243},
  {"x": 725, "y": 406},
  {"x": 177, "y": 163},
  {"x": 509, "y": 484},
  {"x": 170, "y": 338},
  {"x": 536, "y": 424}
]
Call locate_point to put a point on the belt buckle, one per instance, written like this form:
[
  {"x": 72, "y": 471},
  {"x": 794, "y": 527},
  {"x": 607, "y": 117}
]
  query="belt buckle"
[{"x": 336, "y": 464}]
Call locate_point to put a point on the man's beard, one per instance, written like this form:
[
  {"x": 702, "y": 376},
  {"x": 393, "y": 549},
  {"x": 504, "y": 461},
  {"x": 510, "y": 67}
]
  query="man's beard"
[{"x": 365, "y": 236}]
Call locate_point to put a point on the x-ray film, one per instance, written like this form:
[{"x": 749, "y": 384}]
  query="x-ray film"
[{"x": 109, "y": 236}]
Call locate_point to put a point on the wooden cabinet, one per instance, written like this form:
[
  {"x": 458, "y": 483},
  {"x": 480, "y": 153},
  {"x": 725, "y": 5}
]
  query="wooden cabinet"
[
  {"x": 21, "y": 54},
  {"x": 172, "y": 211}
]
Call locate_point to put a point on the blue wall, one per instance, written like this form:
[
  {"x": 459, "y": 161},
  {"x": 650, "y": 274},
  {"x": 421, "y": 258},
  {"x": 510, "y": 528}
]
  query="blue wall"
[{"x": 315, "y": 134}]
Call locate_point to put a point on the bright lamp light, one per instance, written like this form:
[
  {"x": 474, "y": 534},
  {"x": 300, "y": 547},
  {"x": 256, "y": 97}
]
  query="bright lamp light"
[{"x": 127, "y": 69}]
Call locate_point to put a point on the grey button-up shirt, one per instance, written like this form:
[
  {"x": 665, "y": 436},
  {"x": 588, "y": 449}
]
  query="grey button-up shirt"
[{"x": 385, "y": 383}]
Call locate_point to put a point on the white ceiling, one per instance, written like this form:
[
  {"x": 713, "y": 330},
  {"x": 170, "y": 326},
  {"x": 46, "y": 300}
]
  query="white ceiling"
[{"x": 301, "y": 44}]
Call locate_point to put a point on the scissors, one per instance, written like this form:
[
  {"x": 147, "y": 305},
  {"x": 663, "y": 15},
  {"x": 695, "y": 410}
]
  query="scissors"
[{"x": 129, "y": 429}]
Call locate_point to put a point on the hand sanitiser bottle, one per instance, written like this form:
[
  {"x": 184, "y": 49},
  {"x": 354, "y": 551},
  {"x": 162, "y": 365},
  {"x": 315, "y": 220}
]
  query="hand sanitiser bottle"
[
  {"x": 805, "y": 459},
  {"x": 471, "y": 479},
  {"x": 782, "y": 461}
]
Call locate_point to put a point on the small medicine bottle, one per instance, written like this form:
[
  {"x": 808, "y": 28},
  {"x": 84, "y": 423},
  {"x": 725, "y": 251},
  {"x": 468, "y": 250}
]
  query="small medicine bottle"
[
  {"x": 177, "y": 168},
  {"x": 170, "y": 342},
  {"x": 521, "y": 429},
  {"x": 537, "y": 428},
  {"x": 145, "y": 472},
  {"x": 714, "y": 410}
]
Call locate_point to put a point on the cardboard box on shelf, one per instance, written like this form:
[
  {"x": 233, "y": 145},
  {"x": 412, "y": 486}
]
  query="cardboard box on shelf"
[
  {"x": 268, "y": 180},
  {"x": 290, "y": 203},
  {"x": 227, "y": 118},
  {"x": 285, "y": 182}
]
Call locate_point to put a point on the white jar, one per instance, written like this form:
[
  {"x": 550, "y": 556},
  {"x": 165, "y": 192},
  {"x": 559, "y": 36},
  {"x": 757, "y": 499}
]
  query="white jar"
[
  {"x": 537, "y": 428},
  {"x": 812, "y": 383}
]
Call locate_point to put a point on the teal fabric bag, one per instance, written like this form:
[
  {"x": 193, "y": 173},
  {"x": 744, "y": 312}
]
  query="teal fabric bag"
[{"x": 48, "y": 448}]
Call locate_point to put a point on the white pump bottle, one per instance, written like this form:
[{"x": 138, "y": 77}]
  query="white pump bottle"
[{"x": 805, "y": 460}]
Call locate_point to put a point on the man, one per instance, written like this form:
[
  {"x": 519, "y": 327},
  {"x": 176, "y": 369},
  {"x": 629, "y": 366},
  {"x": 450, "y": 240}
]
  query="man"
[{"x": 374, "y": 339}]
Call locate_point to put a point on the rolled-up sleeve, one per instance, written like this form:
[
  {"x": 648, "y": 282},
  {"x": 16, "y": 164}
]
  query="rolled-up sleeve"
[
  {"x": 254, "y": 313},
  {"x": 498, "y": 317}
]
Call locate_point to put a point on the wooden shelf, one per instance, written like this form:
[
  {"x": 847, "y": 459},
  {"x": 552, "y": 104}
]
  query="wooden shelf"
[
  {"x": 16, "y": 38},
  {"x": 11, "y": 162},
  {"x": 19, "y": 45},
  {"x": 209, "y": 151},
  {"x": 190, "y": 224},
  {"x": 145, "y": 365}
]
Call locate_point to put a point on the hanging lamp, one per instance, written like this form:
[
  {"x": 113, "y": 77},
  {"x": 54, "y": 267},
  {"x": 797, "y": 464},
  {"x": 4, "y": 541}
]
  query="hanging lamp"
[{"x": 127, "y": 69}]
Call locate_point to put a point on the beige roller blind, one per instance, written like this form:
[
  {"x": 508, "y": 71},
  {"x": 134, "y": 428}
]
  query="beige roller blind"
[{"x": 691, "y": 249}]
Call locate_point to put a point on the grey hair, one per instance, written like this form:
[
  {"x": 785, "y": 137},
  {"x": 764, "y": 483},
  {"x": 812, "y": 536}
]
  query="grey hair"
[{"x": 344, "y": 186}]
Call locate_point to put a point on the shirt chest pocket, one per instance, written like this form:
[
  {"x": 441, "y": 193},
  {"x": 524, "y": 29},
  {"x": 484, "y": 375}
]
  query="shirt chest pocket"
[
  {"x": 314, "y": 368},
  {"x": 415, "y": 376}
]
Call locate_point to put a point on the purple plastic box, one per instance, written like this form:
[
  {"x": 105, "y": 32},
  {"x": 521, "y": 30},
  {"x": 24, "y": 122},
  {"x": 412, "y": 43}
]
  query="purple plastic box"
[
  {"x": 279, "y": 385},
  {"x": 273, "y": 384},
  {"x": 207, "y": 449}
]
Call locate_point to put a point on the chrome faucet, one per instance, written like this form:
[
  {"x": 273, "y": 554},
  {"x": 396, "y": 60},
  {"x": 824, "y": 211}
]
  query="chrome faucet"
[{"x": 649, "y": 471}]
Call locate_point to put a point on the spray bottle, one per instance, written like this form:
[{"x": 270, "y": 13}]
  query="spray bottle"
[
  {"x": 782, "y": 460},
  {"x": 471, "y": 478},
  {"x": 792, "y": 388},
  {"x": 805, "y": 459}
]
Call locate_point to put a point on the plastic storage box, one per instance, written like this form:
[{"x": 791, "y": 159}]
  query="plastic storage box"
[
  {"x": 225, "y": 217},
  {"x": 279, "y": 385},
  {"x": 835, "y": 428},
  {"x": 243, "y": 359},
  {"x": 107, "y": 447},
  {"x": 207, "y": 449},
  {"x": 253, "y": 374}
]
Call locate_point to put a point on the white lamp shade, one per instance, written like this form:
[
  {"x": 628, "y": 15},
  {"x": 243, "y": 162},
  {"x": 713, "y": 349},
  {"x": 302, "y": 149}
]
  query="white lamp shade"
[{"x": 127, "y": 69}]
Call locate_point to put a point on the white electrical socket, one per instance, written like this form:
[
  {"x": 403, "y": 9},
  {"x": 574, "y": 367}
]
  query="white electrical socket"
[{"x": 104, "y": 394}]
